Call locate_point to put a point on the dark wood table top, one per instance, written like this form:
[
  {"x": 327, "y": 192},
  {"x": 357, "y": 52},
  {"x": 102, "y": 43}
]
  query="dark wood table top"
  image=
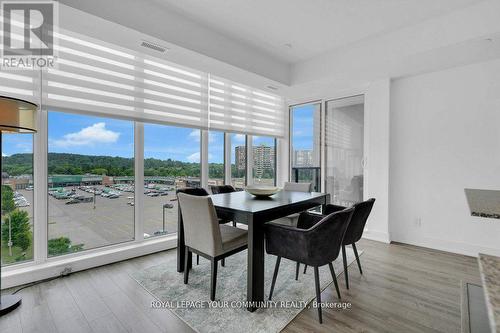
[{"x": 245, "y": 202}]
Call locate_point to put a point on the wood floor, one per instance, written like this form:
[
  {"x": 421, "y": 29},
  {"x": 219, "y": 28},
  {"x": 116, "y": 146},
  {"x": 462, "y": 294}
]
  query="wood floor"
[{"x": 403, "y": 289}]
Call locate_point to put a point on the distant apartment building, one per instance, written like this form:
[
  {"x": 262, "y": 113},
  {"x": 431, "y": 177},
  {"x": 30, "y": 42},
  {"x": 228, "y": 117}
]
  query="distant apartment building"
[
  {"x": 264, "y": 158},
  {"x": 303, "y": 158},
  {"x": 240, "y": 156}
]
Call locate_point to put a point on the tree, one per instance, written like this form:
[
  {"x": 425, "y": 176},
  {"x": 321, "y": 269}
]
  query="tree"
[
  {"x": 20, "y": 229},
  {"x": 62, "y": 245},
  {"x": 8, "y": 204}
]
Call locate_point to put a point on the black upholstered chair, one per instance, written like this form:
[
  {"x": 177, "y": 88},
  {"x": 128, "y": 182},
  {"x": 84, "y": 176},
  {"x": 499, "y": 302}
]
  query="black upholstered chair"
[
  {"x": 354, "y": 231},
  {"x": 216, "y": 189},
  {"x": 317, "y": 245}
]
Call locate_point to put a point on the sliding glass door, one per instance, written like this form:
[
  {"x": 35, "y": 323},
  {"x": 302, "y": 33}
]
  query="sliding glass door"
[{"x": 344, "y": 138}]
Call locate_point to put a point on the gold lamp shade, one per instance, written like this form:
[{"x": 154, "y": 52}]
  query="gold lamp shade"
[{"x": 17, "y": 115}]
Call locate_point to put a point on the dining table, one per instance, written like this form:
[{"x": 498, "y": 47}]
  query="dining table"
[{"x": 254, "y": 212}]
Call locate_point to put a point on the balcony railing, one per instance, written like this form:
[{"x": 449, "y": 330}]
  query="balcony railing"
[{"x": 307, "y": 174}]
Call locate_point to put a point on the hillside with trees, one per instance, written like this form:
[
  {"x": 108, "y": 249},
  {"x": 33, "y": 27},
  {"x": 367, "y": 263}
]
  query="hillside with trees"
[{"x": 75, "y": 164}]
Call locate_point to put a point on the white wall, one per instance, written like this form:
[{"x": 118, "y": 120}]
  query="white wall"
[
  {"x": 445, "y": 137},
  {"x": 376, "y": 183}
]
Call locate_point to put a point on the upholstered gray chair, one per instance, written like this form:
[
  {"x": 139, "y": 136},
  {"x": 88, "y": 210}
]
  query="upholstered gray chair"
[
  {"x": 316, "y": 246},
  {"x": 295, "y": 187},
  {"x": 354, "y": 232},
  {"x": 204, "y": 235}
]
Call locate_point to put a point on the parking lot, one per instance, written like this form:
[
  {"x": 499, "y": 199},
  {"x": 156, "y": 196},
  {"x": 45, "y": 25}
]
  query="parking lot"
[{"x": 110, "y": 222}]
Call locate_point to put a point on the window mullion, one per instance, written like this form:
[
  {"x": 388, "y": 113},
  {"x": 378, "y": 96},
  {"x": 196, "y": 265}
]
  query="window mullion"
[
  {"x": 204, "y": 159},
  {"x": 40, "y": 219},
  {"x": 227, "y": 158},
  {"x": 249, "y": 160},
  {"x": 139, "y": 181}
]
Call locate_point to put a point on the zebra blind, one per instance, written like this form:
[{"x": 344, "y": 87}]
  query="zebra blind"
[
  {"x": 93, "y": 76},
  {"x": 238, "y": 108},
  {"x": 99, "y": 77}
]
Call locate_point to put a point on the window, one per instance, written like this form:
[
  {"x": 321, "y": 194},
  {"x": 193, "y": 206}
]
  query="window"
[
  {"x": 171, "y": 161},
  {"x": 264, "y": 160},
  {"x": 238, "y": 160},
  {"x": 91, "y": 182},
  {"x": 17, "y": 198},
  {"x": 305, "y": 148},
  {"x": 215, "y": 158}
]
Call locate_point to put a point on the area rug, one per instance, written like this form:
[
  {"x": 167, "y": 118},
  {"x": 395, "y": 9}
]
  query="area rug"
[{"x": 228, "y": 314}]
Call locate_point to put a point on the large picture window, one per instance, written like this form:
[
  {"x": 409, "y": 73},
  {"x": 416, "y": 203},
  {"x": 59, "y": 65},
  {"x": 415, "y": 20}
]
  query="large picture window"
[
  {"x": 90, "y": 182},
  {"x": 17, "y": 198},
  {"x": 171, "y": 161},
  {"x": 305, "y": 144}
]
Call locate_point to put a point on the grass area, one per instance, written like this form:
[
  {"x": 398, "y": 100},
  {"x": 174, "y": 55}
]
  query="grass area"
[{"x": 17, "y": 254}]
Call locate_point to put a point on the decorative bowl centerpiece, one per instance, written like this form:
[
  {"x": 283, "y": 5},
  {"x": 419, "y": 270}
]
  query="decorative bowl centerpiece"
[{"x": 262, "y": 191}]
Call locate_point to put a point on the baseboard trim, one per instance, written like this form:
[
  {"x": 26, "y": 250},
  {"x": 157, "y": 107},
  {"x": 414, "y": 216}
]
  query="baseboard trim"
[
  {"x": 377, "y": 236},
  {"x": 53, "y": 267},
  {"x": 448, "y": 246}
]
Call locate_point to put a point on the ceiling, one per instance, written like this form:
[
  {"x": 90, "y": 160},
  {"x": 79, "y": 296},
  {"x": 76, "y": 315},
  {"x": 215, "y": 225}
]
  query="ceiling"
[{"x": 295, "y": 30}]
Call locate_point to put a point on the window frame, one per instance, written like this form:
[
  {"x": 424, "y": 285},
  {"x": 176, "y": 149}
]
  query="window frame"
[{"x": 43, "y": 266}]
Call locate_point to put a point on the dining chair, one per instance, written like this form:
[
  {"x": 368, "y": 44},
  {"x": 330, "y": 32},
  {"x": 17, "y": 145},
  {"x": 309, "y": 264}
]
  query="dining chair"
[
  {"x": 216, "y": 189},
  {"x": 295, "y": 187},
  {"x": 318, "y": 245},
  {"x": 354, "y": 231},
  {"x": 197, "y": 191},
  {"x": 206, "y": 237}
]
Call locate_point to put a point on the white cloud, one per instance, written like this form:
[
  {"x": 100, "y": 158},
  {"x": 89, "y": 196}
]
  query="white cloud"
[
  {"x": 194, "y": 158},
  {"x": 4, "y": 155},
  {"x": 91, "y": 135},
  {"x": 195, "y": 135}
]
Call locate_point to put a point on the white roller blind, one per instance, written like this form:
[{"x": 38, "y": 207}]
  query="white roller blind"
[
  {"x": 238, "y": 108},
  {"x": 100, "y": 77},
  {"x": 19, "y": 83}
]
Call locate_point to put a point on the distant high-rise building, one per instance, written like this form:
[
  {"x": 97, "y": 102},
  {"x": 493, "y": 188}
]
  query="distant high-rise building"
[
  {"x": 240, "y": 157},
  {"x": 303, "y": 158},
  {"x": 264, "y": 158}
]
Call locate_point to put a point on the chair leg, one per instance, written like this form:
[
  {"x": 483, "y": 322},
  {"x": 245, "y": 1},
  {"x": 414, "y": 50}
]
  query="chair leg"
[
  {"x": 186, "y": 268},
  {"x": 213, "y": 284},
  {"x": 305, "y": 269},
  {"x": 297, "y": 271},
  {"x": 334, "y": 276},
  {"x": 223, "y": 262},
  {"x": 275, "y": 275},
  {"x": 357, "y": 257},
  {"x": 318, "y": 293},
  {"x": 346, "y": 274},
  {"x": 234, "y": 224},
  {"x": 197, "y": 259}
]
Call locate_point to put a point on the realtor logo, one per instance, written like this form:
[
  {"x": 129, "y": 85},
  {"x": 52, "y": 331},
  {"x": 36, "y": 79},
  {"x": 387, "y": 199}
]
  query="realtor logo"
[{"x": 28, "y": 33}]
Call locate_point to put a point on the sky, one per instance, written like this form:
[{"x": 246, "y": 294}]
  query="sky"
[{"x": 89, "y": 135}]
